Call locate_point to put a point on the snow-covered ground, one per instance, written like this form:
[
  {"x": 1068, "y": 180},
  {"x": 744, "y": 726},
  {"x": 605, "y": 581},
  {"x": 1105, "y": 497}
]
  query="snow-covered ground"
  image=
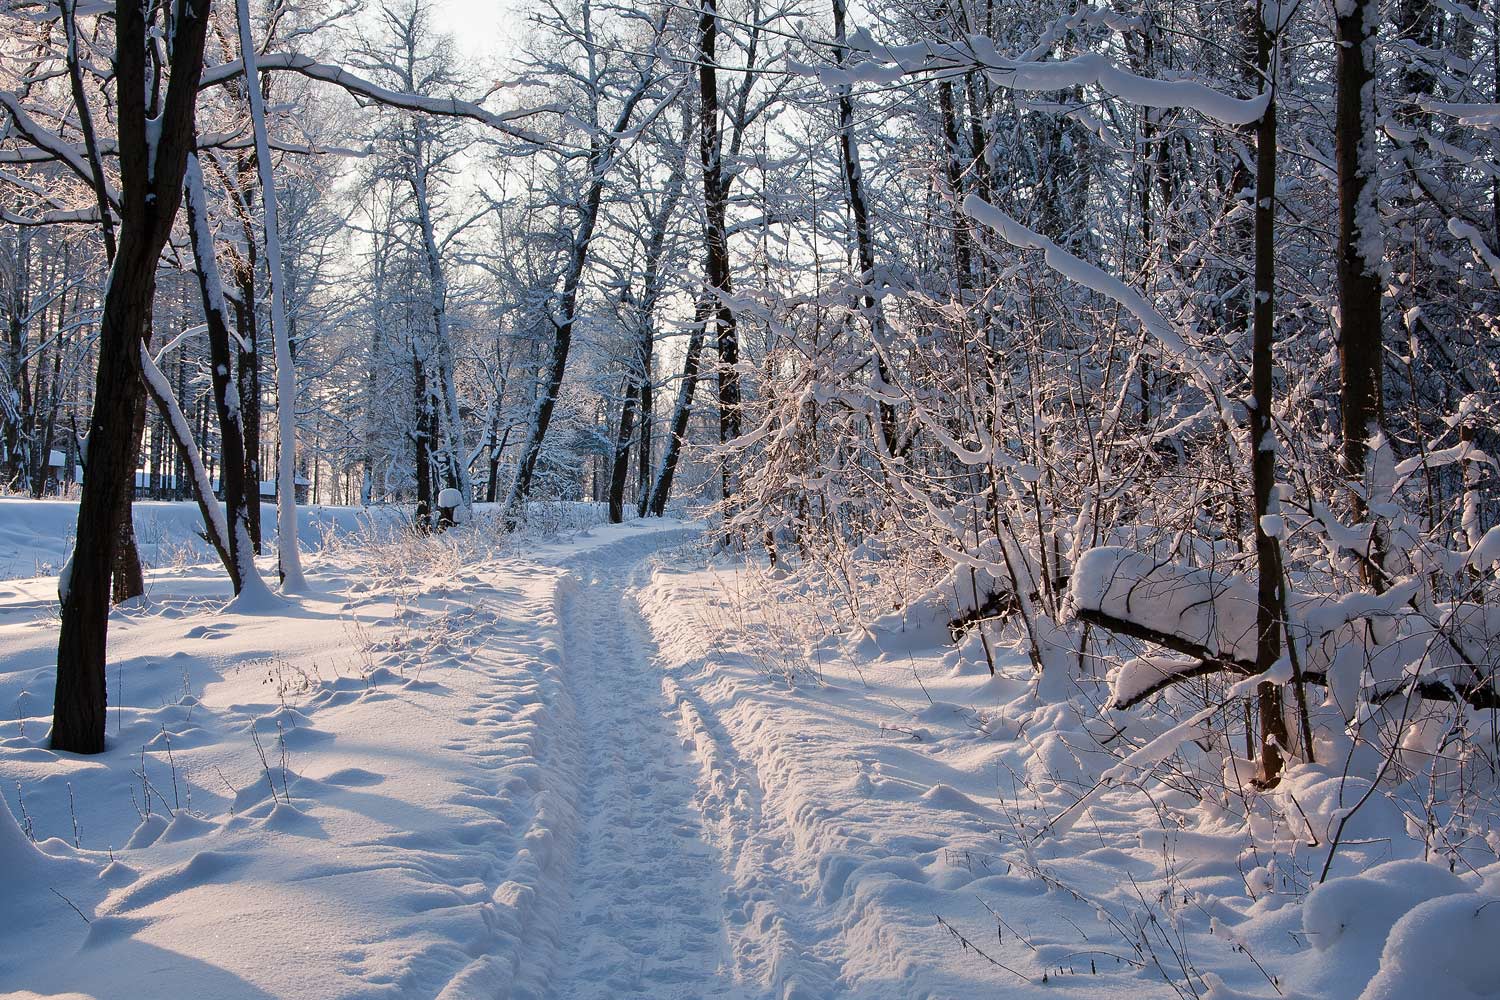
[
  {"x": 36, "y": 536},
  {"x": 595, "y": 765}
]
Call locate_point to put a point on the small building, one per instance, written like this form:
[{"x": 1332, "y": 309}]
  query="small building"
[{"x": 299, "y": 491}]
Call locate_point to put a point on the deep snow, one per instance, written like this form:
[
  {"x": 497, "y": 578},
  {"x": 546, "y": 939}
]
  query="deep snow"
[{"x": 596, "y": 765}]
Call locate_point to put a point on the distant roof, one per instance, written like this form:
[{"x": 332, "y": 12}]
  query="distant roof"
[{"x": 268, "y": 486}]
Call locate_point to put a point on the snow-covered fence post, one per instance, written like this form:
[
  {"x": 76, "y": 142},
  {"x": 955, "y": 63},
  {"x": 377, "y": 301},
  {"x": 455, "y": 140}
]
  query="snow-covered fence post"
[{"x": 449, "y": 500}]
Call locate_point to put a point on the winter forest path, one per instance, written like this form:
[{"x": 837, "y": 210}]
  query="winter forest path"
[
  {"x": 538, "y": 774},
  {"x": 643, "y": 914}
]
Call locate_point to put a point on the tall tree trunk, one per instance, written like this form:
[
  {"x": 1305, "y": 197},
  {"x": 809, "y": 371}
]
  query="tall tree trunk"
[
  {"x": 152, "y": 161},
  {"x": 422, "y": 398},
  {"x": 854, "y": 187},
  {"x": 716, "y": 237},
  {"x": 247, "y": 362},
  {"x": 620, "y": 459},
  {"x": 643, "y": 448},
  {"x": 1360, "y": 246},
  {"x": 238, "y": 499},
  {"x": 49, "y": 425},
  {"x": 497, "y": 448},
  {"x": 372, "y": 415},
  {"x": 455, "y": 466},
  {"x": 288, "y": 556},
  {"x": 86, "y": 126},
  {"x": 17, "y": 444},
  {"x": 601, "y": 152},
  {"x": 963, "y": 257},
  {"x": 638, "y": 388},
  {"x": 661, "y": 491},
  {"x": 1269, "y": 603}
]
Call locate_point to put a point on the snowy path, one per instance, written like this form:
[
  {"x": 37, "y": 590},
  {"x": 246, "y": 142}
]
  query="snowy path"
[
  {"x": 561, "y": 773},
  {"x": 646, "y": 890}
]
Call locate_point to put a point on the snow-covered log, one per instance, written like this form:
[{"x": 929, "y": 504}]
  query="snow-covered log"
[
  {"x": 1198, "y": 612},
  {"x": 1208, "y": 618}
]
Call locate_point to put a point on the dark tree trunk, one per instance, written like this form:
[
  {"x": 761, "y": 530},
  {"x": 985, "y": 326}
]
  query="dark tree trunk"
[
  {"x": 1273, "y": 732},
  {"x": 1359, "y": 242},
  {"x": 86, "y": 126},
  {"x": 638, "y": 388},
  {"x": 716, "y": 236},
  {"x": 662, "y": 490},
  {"x": 562, "y": 341},
  {"x": 492, "y": 488},
  {"x": 643, "y": 447},
  {"x": 249, "y": 367},
  {"x": 422, "y": 518},
  {"x": 953, "y": 168},
  {"x": 601, "y": 151},
  {"x": 17, "y": 445},
  {"x": 49, "y": 424},
  {"x": 151, "y": 189},
  {"x": 129, "y": 579},
  {"x": 238, "y": 501},
  {"x": 854, "y": 182},
  {"x": 620, "y": 460}
]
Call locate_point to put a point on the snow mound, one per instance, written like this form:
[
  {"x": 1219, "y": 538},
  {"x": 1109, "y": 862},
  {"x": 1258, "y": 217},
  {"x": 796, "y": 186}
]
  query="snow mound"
[
  {"x": 1444, "y": 947},
  {"x": 1355, "y": 913}
]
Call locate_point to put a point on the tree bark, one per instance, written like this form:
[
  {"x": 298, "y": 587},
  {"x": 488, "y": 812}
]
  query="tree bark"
[
  {"x": 151, "y": 190},
  {"x": 601, "y": 152},
  {"x": 854, "y": 188},
  {"x": 620, "y": 459},
  {"x": 662, "y": 490},
  {"x": 1269, "y": 598},
  {"x": 638, "y": 389},
  {"x": 1359, "y": 238},
  {"x": 238, "y": 500},
  {"x": 422, "y": 439},
  {"x": 288, "y": 556},
  {"x": 716, "y": 237}
]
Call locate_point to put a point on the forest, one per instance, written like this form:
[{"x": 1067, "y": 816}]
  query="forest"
[{"x": 1009, "y": 444}]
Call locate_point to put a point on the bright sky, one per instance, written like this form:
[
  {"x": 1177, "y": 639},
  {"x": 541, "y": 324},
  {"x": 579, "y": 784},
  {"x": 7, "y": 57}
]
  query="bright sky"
[{"x": 480, "y": 28}]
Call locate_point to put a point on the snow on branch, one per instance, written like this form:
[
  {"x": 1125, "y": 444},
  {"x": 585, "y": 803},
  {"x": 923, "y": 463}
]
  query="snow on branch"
[
  {"x": 1208, "y": 618},
  {"x": 360, "y": 87},
  {"x": 1198, "y": 612},
  {"x": 1089, "y": 68},
  {"x": 1464, "y": 231},
  {"x": 1086, "y": 274},
  {"x": 52, "y": 217},
  {"x": 1484, "y": 116},
  {"x": 54, "y": 145}
]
